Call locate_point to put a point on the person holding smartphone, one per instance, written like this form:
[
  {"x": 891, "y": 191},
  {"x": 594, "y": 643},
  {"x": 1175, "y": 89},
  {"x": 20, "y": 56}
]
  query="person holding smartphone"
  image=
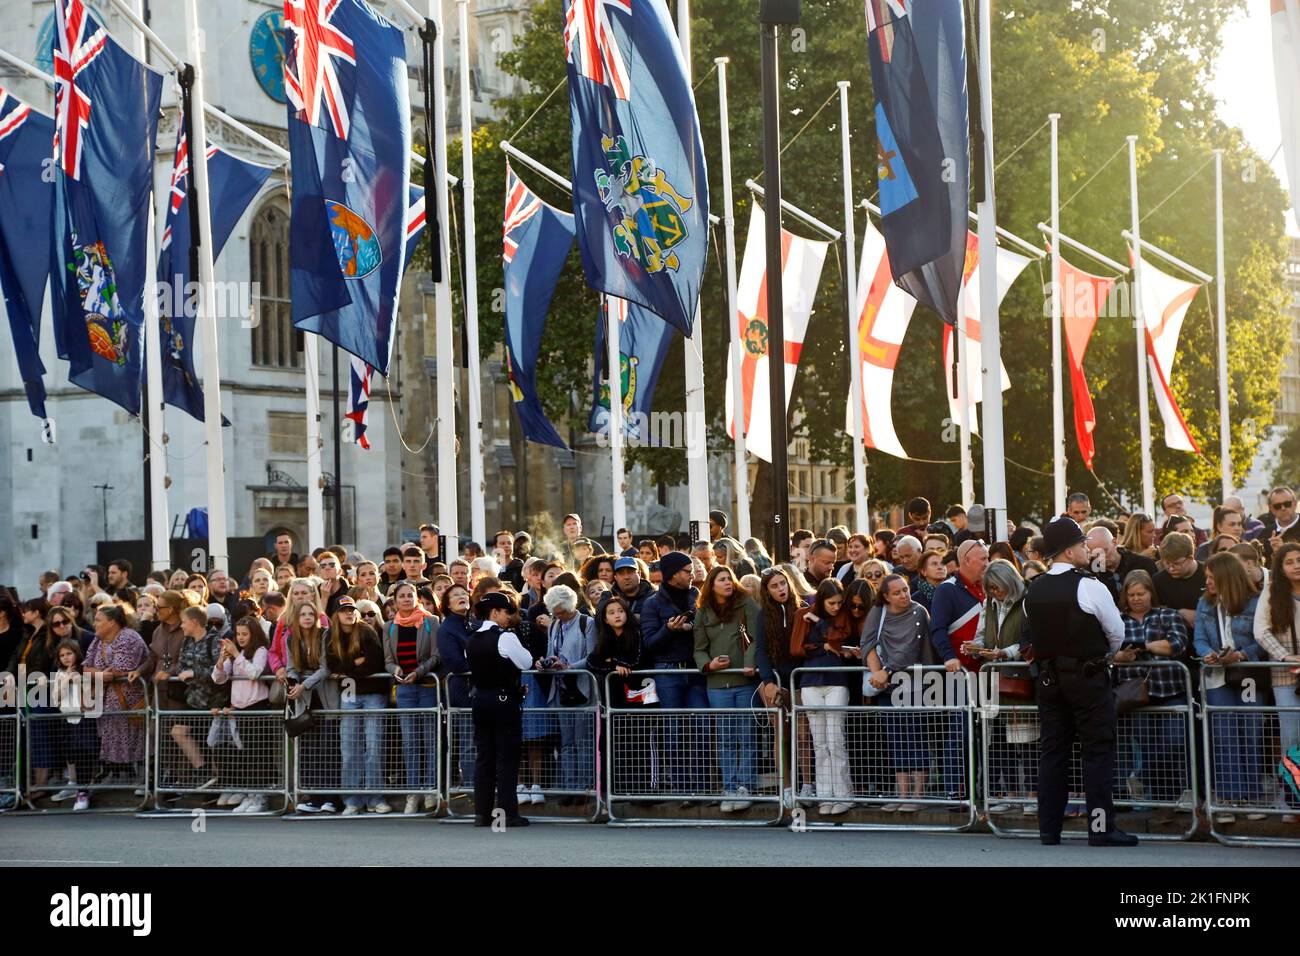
[
  {"x": 1224, "y": 636},
  {"x": 728, "y": 625},
  {"x": 668, "y": 644}
]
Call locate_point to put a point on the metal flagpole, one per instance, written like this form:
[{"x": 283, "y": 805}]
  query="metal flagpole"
[
  {"x": 315, "y": 482},
  {"x": 448, "y": 518},
  {"x": 478, "y": 489},
  {"x": 1225, "y": 435},
  {"x": 960, "y": 359},
  {"x": 614, "y": 371},
  {"x": 995, "y": 476},
  {"x": 218, "y": 550},
  {"x": 155, "y": 414},
  {"x": 338, "y": 444},
  {"x": 770, "y": 38},
  {"x": 697, "y": 445},
  {"x": 1058, "y": 400},
  {"x": 729, "y": 229},
  {"x": 1139, "y": 324},
  {"x": 855, "y": 353}
]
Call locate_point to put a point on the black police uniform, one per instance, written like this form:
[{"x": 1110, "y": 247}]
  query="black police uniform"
[
  {"x": 1075, "y": 700},
  {"x": 497, "y": 701}
]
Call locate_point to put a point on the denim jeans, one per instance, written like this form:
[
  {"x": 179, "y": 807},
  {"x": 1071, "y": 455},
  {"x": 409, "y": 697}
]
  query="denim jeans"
[
  {"x": 1238, "y": 746},
  {"x": 1159, "y": 745},
  {"x": 419, "y": 736},
  {"x": 737, "y": 740},
  {"x": 577, "y": 754},
  {"x": 684, "y": 738},
  {"x": 363, "y": 755}
]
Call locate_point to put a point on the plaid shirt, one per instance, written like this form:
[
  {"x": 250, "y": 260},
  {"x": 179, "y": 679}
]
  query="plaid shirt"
[{"x": 1159, "y": 624}]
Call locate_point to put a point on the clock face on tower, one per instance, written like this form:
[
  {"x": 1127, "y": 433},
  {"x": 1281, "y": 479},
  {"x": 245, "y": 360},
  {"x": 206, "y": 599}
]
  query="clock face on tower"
[{"x": 266, "y": 53}]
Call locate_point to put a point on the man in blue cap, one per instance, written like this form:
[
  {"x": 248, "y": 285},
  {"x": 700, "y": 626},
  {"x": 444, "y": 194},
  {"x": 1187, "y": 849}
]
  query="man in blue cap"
[
  {"x": 1075, "y": 628},
  {"x": 628, "y": 584}
]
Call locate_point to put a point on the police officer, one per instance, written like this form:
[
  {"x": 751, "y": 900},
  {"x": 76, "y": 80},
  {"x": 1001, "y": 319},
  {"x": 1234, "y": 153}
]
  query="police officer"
[
  {"x": 1075, "y": 628},
  {"x": 495, "y": 659}
]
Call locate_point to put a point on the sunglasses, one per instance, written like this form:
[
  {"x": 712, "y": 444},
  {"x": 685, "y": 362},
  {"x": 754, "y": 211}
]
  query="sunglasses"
[
  {"x": 874, "y": 575},
  {"x": 857, "y": 606},
  {"x": 1282, "y": 505},
  {"x": 61, "y": 623}
]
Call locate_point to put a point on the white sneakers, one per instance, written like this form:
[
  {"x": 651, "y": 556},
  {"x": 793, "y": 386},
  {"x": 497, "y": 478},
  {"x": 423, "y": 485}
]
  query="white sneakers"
[
  {"x": 83, "y": 801},
  {"x": 230, "y": 799},
  {"x": 67, "y": 793},
  {"x": 252, "y": 803},
  {"x": 737, "y": 801},
  {"x": 412, "y": 804}
]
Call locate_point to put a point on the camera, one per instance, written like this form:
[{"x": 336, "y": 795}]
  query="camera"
[{"x": 549, "y": 663}]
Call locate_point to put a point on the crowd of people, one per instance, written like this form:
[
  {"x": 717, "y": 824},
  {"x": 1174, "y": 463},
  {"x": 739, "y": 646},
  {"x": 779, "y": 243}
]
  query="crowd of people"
[{"x": 722, "y": 623}]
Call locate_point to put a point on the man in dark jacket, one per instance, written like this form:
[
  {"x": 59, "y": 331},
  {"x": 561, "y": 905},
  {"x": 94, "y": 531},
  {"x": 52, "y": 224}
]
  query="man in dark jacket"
[
  {"x": 668, "y": 642},
  {"x": 1282, "y": 524}
]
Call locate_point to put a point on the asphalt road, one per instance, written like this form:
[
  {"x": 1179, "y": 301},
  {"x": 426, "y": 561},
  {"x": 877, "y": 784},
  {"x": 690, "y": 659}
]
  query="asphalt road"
[{"x": 108, "y": 840}]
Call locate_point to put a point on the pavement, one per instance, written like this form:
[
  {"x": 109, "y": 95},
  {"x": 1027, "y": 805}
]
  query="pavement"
[{"x": 123, "y": 840}]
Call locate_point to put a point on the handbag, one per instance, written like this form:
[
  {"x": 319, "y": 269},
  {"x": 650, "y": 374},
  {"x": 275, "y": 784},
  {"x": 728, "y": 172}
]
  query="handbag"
[
  {"x": 276, "y": 695},
  {"x": 869, "y": 689},
  {"x": 134, "y": 721},
  {"x": 1132, "y": 694},
  {"x": 295, "y": 725},
  {"x": 1014, "y": 686}
]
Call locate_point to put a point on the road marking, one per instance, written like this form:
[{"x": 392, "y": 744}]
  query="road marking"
[{"x": 71, "y": 862}]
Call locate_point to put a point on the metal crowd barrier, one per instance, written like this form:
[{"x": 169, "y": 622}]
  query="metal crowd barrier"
[
  {"x": 10, "y": 792},
  {"x": 1155, "y": 766},
  {"x": 918, "y": 732},
  {"x": 368, "y": 756},
  {"x": 73, "y": 748},
  {"x": 243, "y": 754},
  {"x": 559, "y": 760},
  {"x": 1244, "y": 744},
  {"x": 655, "y": 755}
]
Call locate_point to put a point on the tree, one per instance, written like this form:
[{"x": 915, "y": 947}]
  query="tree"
[{"x": 1111, "y": 68}]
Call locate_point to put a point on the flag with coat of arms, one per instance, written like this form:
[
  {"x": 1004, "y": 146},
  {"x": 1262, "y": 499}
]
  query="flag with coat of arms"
[
  {"x": 640, "y": 190},
  {"x": 232, "y": 184},
  {"x": 26, "y": 203},
  {"x": 360, "y": 374},
  {"x": 918, "y": 76},
  {"x": 350, "y": 142},
  {"x": 106, "y": 120},
  {"x": 643, "y": 341}
]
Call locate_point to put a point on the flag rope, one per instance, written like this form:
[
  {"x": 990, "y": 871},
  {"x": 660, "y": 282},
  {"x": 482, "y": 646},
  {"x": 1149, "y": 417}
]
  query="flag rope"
[
  {"x": 713, "y": 69},
  {"x": 1025, "y": 143},
  {"x": 790, "y": 142},
  {"x": 1196, "y": 172},
  {"x": 534, "y": 113},
  {"x": 1095, "y": 174}
]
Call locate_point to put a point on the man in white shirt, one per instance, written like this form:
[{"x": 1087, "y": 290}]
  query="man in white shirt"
[{"x": 1074, "y": 628}]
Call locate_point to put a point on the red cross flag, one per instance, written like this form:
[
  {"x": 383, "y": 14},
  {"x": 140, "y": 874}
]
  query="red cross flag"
[
  {"x": 801, "y": 268},
  {"x": 1164, "y": 303},
  {"x": 1009, "y": 266},
  {"x": 884, "y": 311}
]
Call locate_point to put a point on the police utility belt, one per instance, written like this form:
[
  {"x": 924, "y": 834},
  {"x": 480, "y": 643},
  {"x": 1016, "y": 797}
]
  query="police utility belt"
[
  {"x": 1072, "y": 665},
  {"x": 503, "y": 694}
]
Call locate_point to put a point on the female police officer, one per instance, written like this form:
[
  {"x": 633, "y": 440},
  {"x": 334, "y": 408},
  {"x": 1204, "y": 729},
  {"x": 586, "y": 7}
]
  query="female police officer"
[
  {"x": 1074, "y": 627},
  {"x": 495, "y": 659}
]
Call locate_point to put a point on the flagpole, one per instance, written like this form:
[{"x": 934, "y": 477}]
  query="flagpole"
[
  {"x": 338, "y": 447},
  {"x": 478, "y": 489},
  {"x": 960, "y": 358},
  {"x": 729, "y": 231},
  {"x": 1225, "y": 436},
  {"x": 995, "y": 476},
  {"x": 448, "y": 516},
  {"x": 697, "y": 448},
  {"x": 315, "y": 484},
  {"x": 218, "y": 550},
  {"x": 1058, "y": 400},
  {"x": 863, "y": 522},
  {"x": 1139, "y": 324},
  {"x": 614, "y": 371},
  {"x": 155, "y": 413}
]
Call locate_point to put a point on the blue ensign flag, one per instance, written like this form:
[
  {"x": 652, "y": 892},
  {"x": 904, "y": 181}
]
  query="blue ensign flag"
[
  {"x": 640, "y": 190},
  {"x": 537, "y": 239},
  {"x": 918, "y": 73},
  {"x": 232, "y": 184},
  {"x": 643, "y": 340},
  {"x": 26, "y": 201},
  {"x": 105, "y": 121},
  {"x": 350, "y": 142}
]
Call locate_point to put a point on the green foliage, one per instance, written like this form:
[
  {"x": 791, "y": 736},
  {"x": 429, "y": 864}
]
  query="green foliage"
[{"x": 1111, "y": 68}]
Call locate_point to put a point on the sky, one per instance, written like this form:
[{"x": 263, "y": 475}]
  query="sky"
[{"x": 1245, "y": 86}]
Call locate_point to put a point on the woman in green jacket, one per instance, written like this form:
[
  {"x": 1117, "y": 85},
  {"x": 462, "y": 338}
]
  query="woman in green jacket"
[{"x": 728, "y": 630}]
